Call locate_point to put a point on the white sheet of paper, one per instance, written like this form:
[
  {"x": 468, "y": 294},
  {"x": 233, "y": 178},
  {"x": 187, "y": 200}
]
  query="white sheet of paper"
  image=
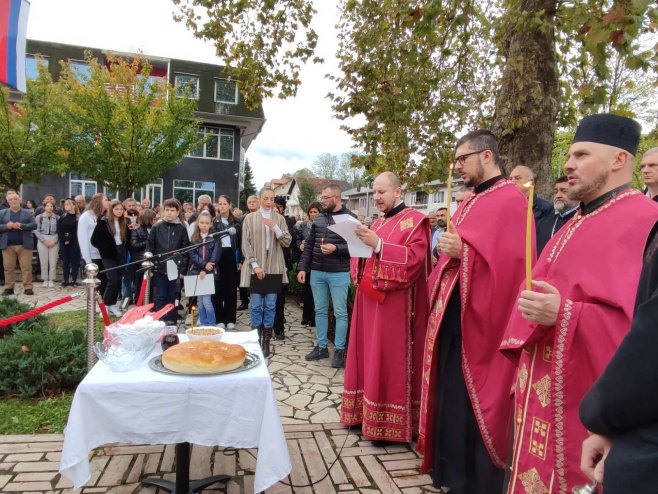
[
  {"x": 345, "y": 226},
  {"x": 172, "y": 270},
  {"x": 195, "y": 286}
]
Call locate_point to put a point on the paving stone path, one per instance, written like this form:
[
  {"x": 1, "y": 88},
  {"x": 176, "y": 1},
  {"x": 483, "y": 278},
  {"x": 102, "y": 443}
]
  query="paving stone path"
[{"x": 308, "y": 394}]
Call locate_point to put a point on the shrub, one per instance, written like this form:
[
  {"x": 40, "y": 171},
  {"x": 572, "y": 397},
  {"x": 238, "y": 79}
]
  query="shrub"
[
  {"x": 10, "y": 307},
  {"x": 42, "y": 360}
]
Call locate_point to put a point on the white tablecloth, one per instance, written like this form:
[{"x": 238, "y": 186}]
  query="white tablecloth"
[{"x": 147, "y": 407}]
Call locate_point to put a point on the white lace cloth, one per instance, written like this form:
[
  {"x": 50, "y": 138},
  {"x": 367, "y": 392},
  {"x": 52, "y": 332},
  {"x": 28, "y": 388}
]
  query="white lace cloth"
[{"x": 147, "y": 407}]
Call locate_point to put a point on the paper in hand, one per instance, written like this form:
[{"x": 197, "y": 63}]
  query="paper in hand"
[
  {"x": 172, "y": 270},
  {"x": 195, "y": 285},
  {"x": 345, "y": 226}
]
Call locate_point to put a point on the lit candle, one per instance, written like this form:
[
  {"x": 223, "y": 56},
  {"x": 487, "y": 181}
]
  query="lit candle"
[
  {"x": 449, "y": 193},
  {"x": 528, "y": 236},
  {"x": 192, "y": 311}
]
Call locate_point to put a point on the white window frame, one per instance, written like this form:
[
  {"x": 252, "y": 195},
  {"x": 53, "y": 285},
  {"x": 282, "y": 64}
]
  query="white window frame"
[
  {"x": 218, "y": 132},
  {"x": 83, "y": 182},
  {"x": 194, "y": 188},
  {"x": 38, "y": 59},
  {"x": 76, "y": 73},
  {"x": 439, "y": 196},
  {"x": 235, "y": 99},
  {"x": 195, "y": 96}
]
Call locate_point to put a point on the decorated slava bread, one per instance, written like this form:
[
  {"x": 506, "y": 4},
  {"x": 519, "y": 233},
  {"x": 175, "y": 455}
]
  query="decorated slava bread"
[{"x": 203, "y": 357}]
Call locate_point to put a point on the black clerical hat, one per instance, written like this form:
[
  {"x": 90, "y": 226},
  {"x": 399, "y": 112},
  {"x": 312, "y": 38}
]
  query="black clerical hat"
[{"x": 613, "y": 130}]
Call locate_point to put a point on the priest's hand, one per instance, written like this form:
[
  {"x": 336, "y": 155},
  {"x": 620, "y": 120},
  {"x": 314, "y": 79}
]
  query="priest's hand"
[
  {"x": 592, "y": 460},
  {"x": 540, "y": 307},
  {"x": 367, "y": 236},
  {"x": 450, "y": 243}
]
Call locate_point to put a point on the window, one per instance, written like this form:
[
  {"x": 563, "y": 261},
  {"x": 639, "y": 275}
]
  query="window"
[
  {"x": 110, "y": 193},
  {"x": 421, "y": 197},
  {"x": 189, "y": 190},
  {"x": 438, "y": 197},
  {"x": 31, "y": 66},
  {"x": 80, "y": 70},
  {"x": 362, "y": 202},
  {"x": 218, "y": 145},
  {"x": 80, "y": 185},
  {"x": 453, "y": 195},
  {"x": 226, "y": 91},
  {"x": 187, "y": 86}
]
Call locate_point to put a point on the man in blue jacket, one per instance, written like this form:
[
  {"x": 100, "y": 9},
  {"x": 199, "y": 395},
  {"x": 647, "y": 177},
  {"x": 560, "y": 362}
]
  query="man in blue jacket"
[{"x": 17, "y": 243}]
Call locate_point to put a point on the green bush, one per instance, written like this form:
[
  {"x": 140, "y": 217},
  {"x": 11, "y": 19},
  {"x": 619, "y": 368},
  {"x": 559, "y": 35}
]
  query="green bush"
[
  {"x": 10, "y": 307},
  {"x": 42, "y": 360}
]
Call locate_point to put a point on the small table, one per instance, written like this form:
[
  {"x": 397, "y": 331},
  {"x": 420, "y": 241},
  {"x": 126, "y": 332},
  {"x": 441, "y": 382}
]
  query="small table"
[{"x": 147, "y": 407}]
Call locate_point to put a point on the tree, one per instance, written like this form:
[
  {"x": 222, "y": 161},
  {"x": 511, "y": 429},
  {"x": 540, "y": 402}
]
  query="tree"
[
  {"x": 347, "y": 171},
  {"x": 326, "y": 166},
  {"x": 249, "y": 188},
  {"x": 263, "y": 43},
  {"x": 125, "y": 130},
  {"x": 303, "y": 173},
  {"x": 307, "y": 193},
  {"x": 32, "y": 132}
]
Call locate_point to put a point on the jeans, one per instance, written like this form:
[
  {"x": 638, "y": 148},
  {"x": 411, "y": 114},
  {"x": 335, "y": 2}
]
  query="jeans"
[
  {"x": 338, "y": 284},
  {"x": 262, "y": 309},
  {"x": 206, "y": 310},
  {"x": 165, "y": 293}
]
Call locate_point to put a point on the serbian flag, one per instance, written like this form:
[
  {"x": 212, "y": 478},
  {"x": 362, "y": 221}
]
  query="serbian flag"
[{"x": 13, "y": 28}]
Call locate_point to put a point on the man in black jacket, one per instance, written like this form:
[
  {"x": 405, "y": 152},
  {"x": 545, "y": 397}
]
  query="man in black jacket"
[
  {"x": 621, "y": 408},
  {"x": 565, "y": 209},
  {"x": 165, "y": 236},
  {"x": 327, "y": 258}
]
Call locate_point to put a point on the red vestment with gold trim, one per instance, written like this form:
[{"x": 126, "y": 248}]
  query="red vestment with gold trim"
[
  {"x": 491, "y": 225},
  {"x": 389, "y": 320},
  {"x": 594, "y": 261}
]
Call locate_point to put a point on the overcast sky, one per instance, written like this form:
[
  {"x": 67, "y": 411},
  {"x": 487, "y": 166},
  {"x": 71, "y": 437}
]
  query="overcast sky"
[{"x": 296, "y": 130}]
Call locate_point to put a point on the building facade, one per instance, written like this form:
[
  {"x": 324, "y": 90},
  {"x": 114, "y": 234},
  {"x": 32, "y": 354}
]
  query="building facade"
[{"x": 216, "y": 168}]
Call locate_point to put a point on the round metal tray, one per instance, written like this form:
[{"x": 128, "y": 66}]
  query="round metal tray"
[{"x": 250, "y": 361}]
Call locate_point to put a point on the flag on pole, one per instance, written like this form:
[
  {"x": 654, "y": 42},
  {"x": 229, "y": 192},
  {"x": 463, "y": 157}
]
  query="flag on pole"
[{"x": 13, "y": 29}]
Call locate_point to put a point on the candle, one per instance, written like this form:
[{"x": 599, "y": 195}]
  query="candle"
[
  {"x": 528, "y": 236},
  {"x": 449, "y": 193},
  {"x": 192, "y": 311}
]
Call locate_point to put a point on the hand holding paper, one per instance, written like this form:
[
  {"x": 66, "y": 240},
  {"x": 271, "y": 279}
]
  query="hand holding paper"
[{"x": 346, "y": 226}]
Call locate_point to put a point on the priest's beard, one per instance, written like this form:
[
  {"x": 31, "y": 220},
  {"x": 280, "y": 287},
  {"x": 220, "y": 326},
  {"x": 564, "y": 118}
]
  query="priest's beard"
[
  {"x": 477, "y": 177},
  {"x": 582, "y": 190}
]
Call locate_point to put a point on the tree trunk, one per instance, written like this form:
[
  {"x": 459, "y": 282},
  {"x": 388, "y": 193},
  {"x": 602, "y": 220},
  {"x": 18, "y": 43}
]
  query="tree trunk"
[{"x": 527, "y": 101}]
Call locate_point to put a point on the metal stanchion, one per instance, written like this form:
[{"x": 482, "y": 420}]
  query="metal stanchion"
[
  {"x": 147, "y": 265},
  {"x": 91, "y": 282}
]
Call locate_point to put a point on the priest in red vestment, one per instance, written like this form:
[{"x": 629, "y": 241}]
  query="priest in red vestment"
[
  {"x": 382, "y": 374},
  {"x": 466, "y": 401},
  {"x": 567, "y": 328}
]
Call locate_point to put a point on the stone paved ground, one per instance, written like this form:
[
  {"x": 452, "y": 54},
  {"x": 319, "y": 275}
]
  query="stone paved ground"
[{"x": 308, "y": 395}]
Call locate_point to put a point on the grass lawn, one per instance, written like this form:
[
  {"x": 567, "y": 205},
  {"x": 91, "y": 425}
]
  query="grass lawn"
[
  {"x": 34, "y": 415},
  {"x": 42, "y": 415}
]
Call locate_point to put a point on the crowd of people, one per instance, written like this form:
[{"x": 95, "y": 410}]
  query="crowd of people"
[{"x": 508, "y": 382}]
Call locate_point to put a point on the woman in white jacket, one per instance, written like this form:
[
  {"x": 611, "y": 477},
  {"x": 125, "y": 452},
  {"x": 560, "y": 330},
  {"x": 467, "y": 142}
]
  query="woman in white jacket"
[{"x": 86, "y": 225}]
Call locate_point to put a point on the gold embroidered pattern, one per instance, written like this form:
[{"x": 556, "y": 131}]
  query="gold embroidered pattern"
[
  {"x": 559, "y": 388},
  {"x": 570, "y": 228},
  {"x": 406, "y": 224},
  {"x": 479, "y": 416},
  {"x": 523, "y": 377},
  {"x": 548, "y": 353},
  {"x": 543, "y": 389},
  {"x": 532, "y": 482},
  {"x": 539, "y": 438}
]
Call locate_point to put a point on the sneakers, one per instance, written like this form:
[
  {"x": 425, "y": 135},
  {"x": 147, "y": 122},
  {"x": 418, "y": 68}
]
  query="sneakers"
[
  {"x": 27, "y": 291},
  {"x": 317, "y": 354},
  {"x": 230, "y": 327},
  {"x": 44, "y": 284},
  {"x": 339, "y": 359},
  {"x": 51, "y": 284},
  {"x": 243, "y": 306},
  {"x": 66, "y": 283},
  {"x": 114, "y": 310},
  {"x": 221, "y": 325},
  {"x": 8, "y": 291}
]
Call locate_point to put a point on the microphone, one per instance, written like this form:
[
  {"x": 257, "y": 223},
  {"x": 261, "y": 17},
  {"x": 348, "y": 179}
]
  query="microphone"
[
  {"x": 367, "y": 221},
  {"x": 229, "y": 231}
]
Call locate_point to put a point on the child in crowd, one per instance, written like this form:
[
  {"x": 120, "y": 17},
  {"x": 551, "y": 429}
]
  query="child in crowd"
[
  {"x": 167, "y": 235},
  {"x": 203, "y": 260},
  {"x": 68, "y": 240}
]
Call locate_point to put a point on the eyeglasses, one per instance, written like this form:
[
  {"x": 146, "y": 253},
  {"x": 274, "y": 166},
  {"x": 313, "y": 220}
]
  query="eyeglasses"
[
  {"x": 462, "y": 159},
  {"x": 324, "y": 198}
]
